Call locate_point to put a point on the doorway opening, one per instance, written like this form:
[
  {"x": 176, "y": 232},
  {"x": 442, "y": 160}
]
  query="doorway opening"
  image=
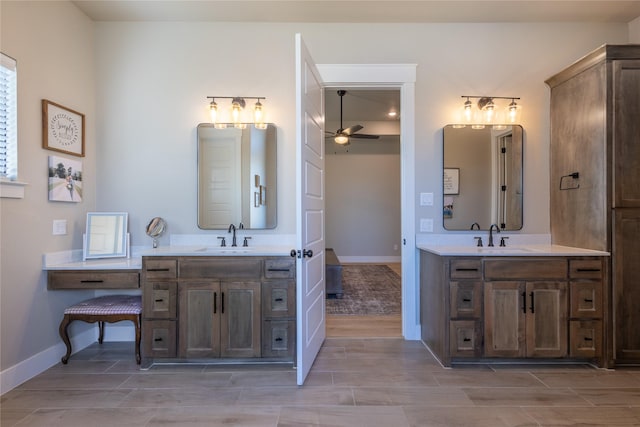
[{"x": 363, "y": 211}]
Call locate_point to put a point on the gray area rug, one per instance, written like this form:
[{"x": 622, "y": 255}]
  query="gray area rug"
[{"x": 368, "y": 290}]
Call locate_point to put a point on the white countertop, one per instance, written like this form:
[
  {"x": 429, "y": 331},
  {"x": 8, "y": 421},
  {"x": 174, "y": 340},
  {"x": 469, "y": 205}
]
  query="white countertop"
[
  {"x": 72, "y": 260},
  {"x": 519, "y": 250}
]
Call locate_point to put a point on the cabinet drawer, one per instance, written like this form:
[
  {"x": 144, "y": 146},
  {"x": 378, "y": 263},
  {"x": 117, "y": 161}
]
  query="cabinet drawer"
[
  {"x": 221, "y": 268},
  {"x": 160, "y": 268},
  {"x": 278, "y": 338},
  {"x": 465, "y": 339},
  {"x": 159, "y": 338},
  {"x": 585, "y": 269},
  {"x": 160, "y": 300},
  {"x": 586, "y": 299},
  {"x": 518, "y": 269},
  {"x": 465, "y": 269},
  {"x": 278, "y": 299},
  {"x": 466, "y": 299},
  {"x": 279, "y": 268},
  {"x": 585, "y": 338},
  {"x": 93, "y": 279}
]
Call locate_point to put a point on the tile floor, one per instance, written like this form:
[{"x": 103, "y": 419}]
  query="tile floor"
[{"x": 354, "y": 382}]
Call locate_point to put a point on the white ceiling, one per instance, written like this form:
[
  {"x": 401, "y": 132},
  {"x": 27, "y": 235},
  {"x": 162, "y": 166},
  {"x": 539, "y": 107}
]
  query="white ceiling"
[{"x": 356, "y": 11}]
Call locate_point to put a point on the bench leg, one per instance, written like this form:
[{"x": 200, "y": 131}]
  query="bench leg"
[
  {"x": 137, "y": 323},
  {"x": 100, "y": 331},
  {"x": 65, "y": 337}
]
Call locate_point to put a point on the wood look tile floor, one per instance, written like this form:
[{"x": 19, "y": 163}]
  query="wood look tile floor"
[{"x": 368, "y": 382}]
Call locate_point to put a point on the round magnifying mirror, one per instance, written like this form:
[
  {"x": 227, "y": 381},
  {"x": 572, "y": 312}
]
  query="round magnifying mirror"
[{"x": 155, "y": 228}]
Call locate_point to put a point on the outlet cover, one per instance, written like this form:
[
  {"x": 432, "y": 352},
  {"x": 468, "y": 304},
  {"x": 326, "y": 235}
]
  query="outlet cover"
[
  {"x": 426, "y": 225},
  {"x": 426, "y": 199},
  {"x": 59, "y": 227}
]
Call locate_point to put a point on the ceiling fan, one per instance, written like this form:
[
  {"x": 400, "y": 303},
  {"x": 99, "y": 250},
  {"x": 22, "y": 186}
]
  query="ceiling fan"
[{"x": 342, "y": 136}]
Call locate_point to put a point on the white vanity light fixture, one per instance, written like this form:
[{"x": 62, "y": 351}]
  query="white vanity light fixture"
[{"x": 236, "y": 109}]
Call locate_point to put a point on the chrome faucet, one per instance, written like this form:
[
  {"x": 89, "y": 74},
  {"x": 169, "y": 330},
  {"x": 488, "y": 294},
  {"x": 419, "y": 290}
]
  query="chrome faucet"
[
  {"x": 234, "y": 243},
  {"x": 491, "y": 233}
]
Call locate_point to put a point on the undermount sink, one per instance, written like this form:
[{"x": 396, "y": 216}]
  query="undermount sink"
[
  {"x": 503, "y": 250},
  {"x": 225, "y": 250}
]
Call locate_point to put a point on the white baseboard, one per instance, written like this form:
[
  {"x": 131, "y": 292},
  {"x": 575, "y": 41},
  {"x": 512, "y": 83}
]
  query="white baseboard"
[
  {"x": 370, "y": 259},
  {"x": 12, "y": 377}
]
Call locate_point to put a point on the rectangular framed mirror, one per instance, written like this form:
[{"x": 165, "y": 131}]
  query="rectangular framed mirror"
[
  {"x": 487, "y": 185},
  {"x": 106, "y": 235},
  {"x": 237, "y": 177}
]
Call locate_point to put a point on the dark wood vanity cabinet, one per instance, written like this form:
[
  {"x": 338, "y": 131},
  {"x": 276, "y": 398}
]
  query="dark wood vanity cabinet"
[
  {"x": 92, "y": 279},
  {"x": 219, "y": 307},
  {"x": 512, "y": 307},
  {"x": 595, "y": 132}
]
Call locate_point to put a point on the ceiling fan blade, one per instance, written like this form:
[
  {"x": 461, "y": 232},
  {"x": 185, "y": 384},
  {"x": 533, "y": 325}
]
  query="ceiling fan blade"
[
  {"x": 364, "y": 136},
  {"x": 351, "y": 129}
]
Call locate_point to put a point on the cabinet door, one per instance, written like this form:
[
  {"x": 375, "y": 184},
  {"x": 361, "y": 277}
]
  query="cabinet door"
[
  {"x": 240, "y": 319},
  {"x": 159, "y": 301},
  {"x": 199, "y": 317},
  {"x": 547, "y": 319},
  {"x": 466, "y": 299},
  {"x": 504, "y": 319},
  {"x": 626, "y": 280},
  {"x": 465, "y": 338},
  {"x": 159, "y": 338},
  {"x": 585, "y": 338},
  {"x": 626, "y": 110}
]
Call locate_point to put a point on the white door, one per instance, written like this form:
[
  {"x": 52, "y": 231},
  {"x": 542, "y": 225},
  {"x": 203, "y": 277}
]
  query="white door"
[{"x": 310, "y": 295}]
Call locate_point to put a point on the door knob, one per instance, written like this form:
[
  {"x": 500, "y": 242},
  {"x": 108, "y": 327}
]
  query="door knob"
[{"x": 307, "y": 253}]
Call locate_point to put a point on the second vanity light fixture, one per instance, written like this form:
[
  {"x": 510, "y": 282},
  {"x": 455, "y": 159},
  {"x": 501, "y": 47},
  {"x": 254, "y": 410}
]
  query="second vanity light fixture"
[
  {"x": 489, "y": 111},
  {"x": 236, "y": 112}
]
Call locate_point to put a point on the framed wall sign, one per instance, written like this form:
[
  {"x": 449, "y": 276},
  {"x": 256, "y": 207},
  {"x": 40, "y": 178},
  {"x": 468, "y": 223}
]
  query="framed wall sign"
[
  {"x": 62, "y": 129},
  {"x": 451, "y": 181}
]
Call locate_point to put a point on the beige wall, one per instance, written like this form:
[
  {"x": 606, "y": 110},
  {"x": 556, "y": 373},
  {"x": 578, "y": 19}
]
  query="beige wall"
[
  {"x": 634, "y": 31},
  {"x": 142, "y": 87},
  {"x": 53, "y": 44}
]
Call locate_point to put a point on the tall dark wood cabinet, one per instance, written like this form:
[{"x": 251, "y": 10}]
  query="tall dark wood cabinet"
[{"x": 595, "y": 179}]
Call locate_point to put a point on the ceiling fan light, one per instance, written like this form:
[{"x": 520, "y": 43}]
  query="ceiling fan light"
[{"x": 341, "y": 139}]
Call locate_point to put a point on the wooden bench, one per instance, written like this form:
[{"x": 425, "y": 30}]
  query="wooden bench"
[
  {"x": 333, "y": 274},
  {"x": 108, "y": 308}
]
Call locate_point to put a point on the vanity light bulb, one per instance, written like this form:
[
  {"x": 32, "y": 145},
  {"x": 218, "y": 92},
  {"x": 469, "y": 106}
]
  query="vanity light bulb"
[
  {"x": 513, "y": 111},
  {"x": 235, "y": 112},
  {"x": 258, "y": 113},
  {"x": 213, "y": 112},
  {"x": 489, "y": 112},
  {"x": 468, "y": 113}
]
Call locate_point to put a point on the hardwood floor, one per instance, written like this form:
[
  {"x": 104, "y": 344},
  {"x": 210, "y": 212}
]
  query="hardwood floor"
[{"x": 366, "y": 326}]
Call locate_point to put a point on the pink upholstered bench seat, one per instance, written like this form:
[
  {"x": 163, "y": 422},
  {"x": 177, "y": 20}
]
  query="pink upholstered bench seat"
[
  {"x": 108, "y": 304},
  {"x": 108, "y": 308}
]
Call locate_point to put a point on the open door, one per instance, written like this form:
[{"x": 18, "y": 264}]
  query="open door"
[{"x": 310, "y": 293}]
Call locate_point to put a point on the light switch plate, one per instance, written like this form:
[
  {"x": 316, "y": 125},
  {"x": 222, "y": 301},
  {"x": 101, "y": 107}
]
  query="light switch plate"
[
  {"x": 426, "y": 199},
  {"x": 59, "y": 227},
  {"x": 426, "y": 225}
]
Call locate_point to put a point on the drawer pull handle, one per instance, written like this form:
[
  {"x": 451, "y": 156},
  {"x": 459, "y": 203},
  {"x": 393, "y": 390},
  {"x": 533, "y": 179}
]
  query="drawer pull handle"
[
  {"x": 588, "y": 300},
  {"x": 588, "y": 339},
  {"x": 278, "y": 339},
  {"x": 524, "y": 302},
  {"x": 466, "y": 299},
  {"x": 466, "y": 269},
  {"x": 159, "y": 300},
  {"x": 587, "y": 270},
  {"x": 158, "y": 339},
  {"x": 466, "y": 339},
  {"x": 157, "y": 269},
  {"x": 215, "y": 302},
  {"x": 533, "y": 302},
  {"x": 279, "y": 300},
  {"x": 278, "y": 269},
  {"x": 92, "y": 281}
]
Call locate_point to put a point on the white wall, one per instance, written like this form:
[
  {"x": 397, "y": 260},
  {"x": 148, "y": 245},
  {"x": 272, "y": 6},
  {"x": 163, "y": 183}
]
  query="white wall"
[
  {"x": 145, "y": 93},
  {"x": 53, "y": 44}
]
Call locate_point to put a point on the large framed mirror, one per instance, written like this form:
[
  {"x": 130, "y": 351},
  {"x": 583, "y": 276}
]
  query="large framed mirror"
[
  {"x": 482, "y": 177},
  {"x": 106, "y": 235},
  {"x": 237, "y": 177}
]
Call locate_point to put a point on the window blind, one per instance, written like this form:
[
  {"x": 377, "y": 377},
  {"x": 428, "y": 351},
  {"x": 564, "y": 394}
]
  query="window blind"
[{"x": 8, "y": 118}]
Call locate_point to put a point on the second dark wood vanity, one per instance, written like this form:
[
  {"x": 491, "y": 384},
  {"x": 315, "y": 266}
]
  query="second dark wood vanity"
[{"x": 490, "y": 308}]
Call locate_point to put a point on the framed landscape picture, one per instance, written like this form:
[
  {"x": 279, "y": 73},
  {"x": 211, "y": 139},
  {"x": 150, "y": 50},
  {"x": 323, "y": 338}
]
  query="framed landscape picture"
[
  {"x": 65, "y": 179},
  {"x": 62, "y": 129}
]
